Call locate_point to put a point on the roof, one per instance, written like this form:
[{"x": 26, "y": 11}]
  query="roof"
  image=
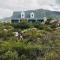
[{"x": 38, "y": 14}]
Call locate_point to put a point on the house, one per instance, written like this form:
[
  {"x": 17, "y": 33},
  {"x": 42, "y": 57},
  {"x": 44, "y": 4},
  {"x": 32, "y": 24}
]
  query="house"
[
  {"x": 30, "y": 15},
  {"x": 38, "y": 15}
]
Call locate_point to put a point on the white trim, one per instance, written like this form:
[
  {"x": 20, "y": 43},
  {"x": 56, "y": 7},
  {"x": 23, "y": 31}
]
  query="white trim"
[
  {"x": 22, "y": 14},
  {"x": 32, "y": 15}
]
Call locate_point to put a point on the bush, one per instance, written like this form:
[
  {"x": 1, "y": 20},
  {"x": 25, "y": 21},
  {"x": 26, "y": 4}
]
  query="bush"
[
  {"x": 9, "y": 55},
  {"x": 52, "y": 55}
]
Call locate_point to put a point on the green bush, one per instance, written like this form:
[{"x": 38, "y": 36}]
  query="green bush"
[
  {"x": 37, "y": 44},
  {"x": 52, "y": 55},
  {"x": 9, "y": 55}
]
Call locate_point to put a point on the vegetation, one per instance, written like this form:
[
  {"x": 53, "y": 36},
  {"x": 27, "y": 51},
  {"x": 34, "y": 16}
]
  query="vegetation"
[{"x": 40, "y": 41}]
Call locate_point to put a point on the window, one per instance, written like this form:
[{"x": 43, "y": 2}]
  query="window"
[
  {"x": 32, "y": 15},
  {"x": 22, "y": 15}
]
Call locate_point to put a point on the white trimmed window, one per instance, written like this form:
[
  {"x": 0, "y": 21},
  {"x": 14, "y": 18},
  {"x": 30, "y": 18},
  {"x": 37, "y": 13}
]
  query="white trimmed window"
[
  {"x": 22, "y": 14},
  {"x": 32, "y": 15}
]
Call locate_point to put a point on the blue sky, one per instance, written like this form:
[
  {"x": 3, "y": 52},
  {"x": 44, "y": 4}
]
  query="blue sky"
[{"x": 8, "y": 6}]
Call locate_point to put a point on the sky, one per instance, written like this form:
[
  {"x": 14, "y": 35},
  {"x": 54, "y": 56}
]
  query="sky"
[{"x": 8, "y": 6}]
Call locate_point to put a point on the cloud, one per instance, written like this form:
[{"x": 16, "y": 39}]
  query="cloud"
[
  {"x": 7, "y": 6},
  {"x": 19, "y": 4},
  {"x": 25, "y": 4},
  {"x": 58, "y": 2},
  {"x": 5, "y": 12}
]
